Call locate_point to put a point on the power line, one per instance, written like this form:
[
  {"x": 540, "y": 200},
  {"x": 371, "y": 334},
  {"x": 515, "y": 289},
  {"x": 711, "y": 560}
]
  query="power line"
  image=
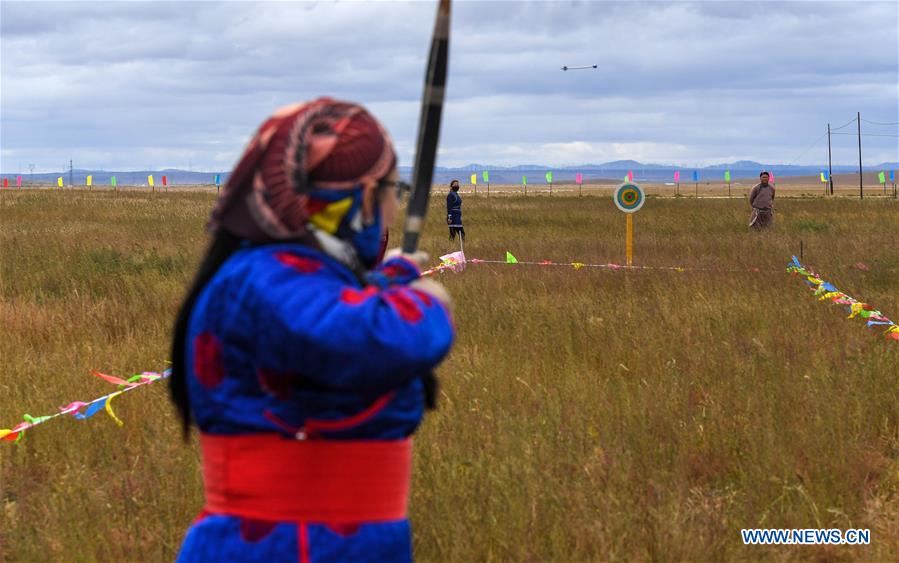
[
  {"x": 810, "y": 147},
  {"x": 813, "y": 143},
  {"x": 879, "y": 122},
  {"x": 842, "y": 126},
  {"x": 869, "y": 134}
]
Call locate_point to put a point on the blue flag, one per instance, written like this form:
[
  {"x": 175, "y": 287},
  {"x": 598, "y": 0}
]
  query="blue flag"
[{"x": 696, "y": 175}]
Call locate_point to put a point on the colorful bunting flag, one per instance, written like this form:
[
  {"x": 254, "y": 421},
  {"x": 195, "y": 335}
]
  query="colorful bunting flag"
[
  {"x": 882, "y": 178},
  {"x": 727, "y": 176},
  {"x": 150, "y": 180},
  {"x": 450, "y": 260},
  {"x": 696, "y": 175},
  {"x": 474, "y": 179},
  {"x": 630, "y": 175},
  {"x": 457, "y": 261},
  {"x": 549, "y": 177},
  {"x": 77, "y": 408},
  {"x": 18, "y": 181},
  {"x": 524, "y": 180},
  {"x": 486, "y": 176},
  {"x": 90, "y": 180},
  {"x": 454, "y": 262},
  {"x": 218, "y": 180},
  {"x": 112, "y": 181},
  {"x": 59, "y": 181},
  {"x": 5, "y": 182},
  {"x": 892, "y": 175},
  {"x": 165, "y": 181},
  {"x": 578, "y": 178},
  {"x": 823, "y": 179},
  {"x": 827, "y": 291},
  {"x": 677, "y": 175}
]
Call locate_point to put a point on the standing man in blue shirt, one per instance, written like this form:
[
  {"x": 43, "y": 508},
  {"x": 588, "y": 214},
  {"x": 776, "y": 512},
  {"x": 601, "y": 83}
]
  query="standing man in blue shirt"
[{"x": 454, "y": 212}]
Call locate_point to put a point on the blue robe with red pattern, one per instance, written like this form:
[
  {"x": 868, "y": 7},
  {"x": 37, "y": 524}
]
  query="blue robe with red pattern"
[{"x": 285, "y": 338}]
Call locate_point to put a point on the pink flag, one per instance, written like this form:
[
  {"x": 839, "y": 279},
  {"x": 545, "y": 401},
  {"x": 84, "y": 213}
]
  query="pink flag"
[
  {"x": 630, "y": 175},
  {"x": 771, "y": 179},
  {"x": 677, "y": 175},
  {"x": 72, "y": 407},
  {"x": 454, "y": 261},
  {"x": 578, "y": 178},
  {"x": 18, "y": 181},
  {"x": 111, "y": 378}
]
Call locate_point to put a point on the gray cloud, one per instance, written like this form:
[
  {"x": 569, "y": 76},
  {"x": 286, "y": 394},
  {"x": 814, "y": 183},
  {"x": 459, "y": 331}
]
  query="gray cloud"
[{"x": 159, "y": 84}]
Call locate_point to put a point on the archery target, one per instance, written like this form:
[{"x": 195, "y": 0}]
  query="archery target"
[{"x": 629, "y": 197}]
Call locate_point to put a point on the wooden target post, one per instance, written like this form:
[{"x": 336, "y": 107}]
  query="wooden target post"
[{"x": 629, "y": 198}]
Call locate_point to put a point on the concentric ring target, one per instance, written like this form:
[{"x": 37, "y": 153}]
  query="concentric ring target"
[{"x": 629, "y": 198}]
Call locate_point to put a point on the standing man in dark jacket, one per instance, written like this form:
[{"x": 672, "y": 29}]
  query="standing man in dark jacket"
[
  {"x": 761, "y": 198},
  {"x": 454, "y": 211}
]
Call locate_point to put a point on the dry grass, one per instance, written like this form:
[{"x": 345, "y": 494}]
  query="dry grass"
[{"x": 587, "y": 415}]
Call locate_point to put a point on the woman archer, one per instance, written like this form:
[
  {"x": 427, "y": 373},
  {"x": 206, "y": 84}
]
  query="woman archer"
[{"x": 305, "y": 363}]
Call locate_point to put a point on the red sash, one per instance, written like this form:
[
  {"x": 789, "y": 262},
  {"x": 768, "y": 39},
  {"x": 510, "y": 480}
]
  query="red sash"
[{"x": 267, "y": 477}]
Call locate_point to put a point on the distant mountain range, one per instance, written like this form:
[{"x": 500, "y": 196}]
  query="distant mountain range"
[{"x": 535, "y": 173}]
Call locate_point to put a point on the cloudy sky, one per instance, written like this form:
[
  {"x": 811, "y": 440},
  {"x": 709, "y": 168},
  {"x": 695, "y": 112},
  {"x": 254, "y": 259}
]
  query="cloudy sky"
[{"x": 151, "y": 85}]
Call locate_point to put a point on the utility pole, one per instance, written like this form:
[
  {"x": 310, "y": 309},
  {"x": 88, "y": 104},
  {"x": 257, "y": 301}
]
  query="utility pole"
[
  {"x": 829, "y": 161},
  {"x": 861, "y": 186},
  {"x": 71, "y": 174}
]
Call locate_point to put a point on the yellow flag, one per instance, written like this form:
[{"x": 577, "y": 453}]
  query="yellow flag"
[
  {"x": 90, "y": 180},
  {"x": 59, "y": 181},
  {"x": 109, "y": 410},
  {"x": 150, "y": 180},
  {"x": 474, "y": 179}
]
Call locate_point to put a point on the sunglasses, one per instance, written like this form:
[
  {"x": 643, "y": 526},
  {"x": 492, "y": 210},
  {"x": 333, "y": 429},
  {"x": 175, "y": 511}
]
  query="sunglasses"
[{"x": 400, "y": 186}]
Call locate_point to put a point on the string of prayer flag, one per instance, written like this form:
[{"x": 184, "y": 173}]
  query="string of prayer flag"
[
  {"x": 84, "y": 410},
  {"x": 827, "y": 291}
]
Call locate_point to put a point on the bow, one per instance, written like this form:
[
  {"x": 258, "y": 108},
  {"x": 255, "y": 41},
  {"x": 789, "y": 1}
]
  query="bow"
[{"x": 428, "y": 129}]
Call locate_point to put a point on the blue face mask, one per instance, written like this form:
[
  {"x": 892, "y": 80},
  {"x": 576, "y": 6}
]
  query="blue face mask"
[{"x": 365, "y": 239}]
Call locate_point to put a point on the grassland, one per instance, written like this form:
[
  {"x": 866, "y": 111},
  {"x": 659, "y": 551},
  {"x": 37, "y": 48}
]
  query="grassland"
[{"x": 584, "y": 415}]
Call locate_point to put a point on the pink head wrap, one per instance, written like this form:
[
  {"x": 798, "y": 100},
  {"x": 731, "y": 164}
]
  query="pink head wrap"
[{"x": 320, "y": 145}]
